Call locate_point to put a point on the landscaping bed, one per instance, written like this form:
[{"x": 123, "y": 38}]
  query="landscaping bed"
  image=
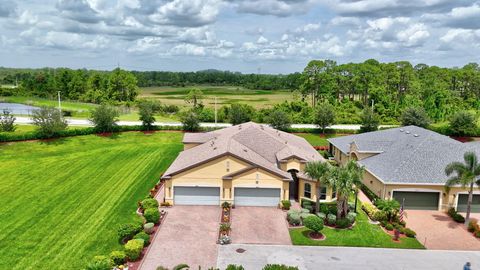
[{"x": 225, "y": 224}]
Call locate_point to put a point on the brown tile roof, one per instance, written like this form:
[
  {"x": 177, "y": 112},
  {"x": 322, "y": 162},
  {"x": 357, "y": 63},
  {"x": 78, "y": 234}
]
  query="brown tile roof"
[{"x": 256, "y": 144}]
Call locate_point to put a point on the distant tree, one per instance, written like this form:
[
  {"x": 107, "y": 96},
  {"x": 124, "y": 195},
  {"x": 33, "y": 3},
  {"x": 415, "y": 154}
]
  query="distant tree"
[
  {"x": 240, "y": 113},
  {"x": 463, "y": 123},
  {"x": 147, "y": 110},
  {"x": 415, "y": 116},
  {"x": 279, "y": 120},
  {"x": 190, "y": 121},
  {"x": 122, "y": 85},
  {"x": 7, "y": 122},
  {"x": 49, "y": 121},
  {"x": 370, "y": 121},
  {"x": 324, "y": 115},
  {"x": 104, "y": 118},
  {"x": 194, "y": 97}
]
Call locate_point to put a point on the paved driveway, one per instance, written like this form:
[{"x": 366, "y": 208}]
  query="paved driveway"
[
  {"x": 437, "y": 230},
  {"x": 259, "y": 225},
  {"x": 255, "y": 257},
  {"x": 188, "y": 235}
]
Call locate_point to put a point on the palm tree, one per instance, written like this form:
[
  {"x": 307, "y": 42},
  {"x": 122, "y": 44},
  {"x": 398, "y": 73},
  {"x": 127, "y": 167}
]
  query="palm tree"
[
  {"x": 466, "y": 174},
  {"x": 318, "y": 171}
]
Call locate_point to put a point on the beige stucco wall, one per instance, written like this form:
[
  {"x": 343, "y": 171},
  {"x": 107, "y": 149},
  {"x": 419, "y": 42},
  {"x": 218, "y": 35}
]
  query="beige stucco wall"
[
  {"x": 292, "y": 163},
  {"x": 339, "y": 157}
]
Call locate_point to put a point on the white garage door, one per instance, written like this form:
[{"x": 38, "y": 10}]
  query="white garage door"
[
  {"x": 196, "y": 195},
  {"x": 257, "y": 196}
]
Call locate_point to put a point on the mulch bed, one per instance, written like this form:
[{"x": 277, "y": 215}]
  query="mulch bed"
[{"x": 316, "y": 237}]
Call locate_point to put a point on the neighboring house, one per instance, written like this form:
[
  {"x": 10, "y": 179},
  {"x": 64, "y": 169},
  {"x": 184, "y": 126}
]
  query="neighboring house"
[
  {"x": 249, "y": 164},
  {"x": 408, "y": 163}
]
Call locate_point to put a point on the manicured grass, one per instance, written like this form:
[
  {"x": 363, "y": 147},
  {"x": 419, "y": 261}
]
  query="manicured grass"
[
  {"x": 226, "y": 95},
  {"x": 317, "y": 139},
  {"x": 363, "y": 234},
  {"x": 62, "y": 200}
]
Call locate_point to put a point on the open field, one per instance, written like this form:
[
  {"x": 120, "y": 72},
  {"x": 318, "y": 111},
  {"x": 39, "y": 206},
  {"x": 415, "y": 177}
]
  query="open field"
[
  {"x": 62, "y": 200},
  {"x": 225, "y": 95}
]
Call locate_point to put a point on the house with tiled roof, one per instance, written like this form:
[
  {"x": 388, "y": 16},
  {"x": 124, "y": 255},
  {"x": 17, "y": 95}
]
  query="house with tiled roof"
[
  {"x": 248, "y": 164},
  {"x": 408, "y": 164}
]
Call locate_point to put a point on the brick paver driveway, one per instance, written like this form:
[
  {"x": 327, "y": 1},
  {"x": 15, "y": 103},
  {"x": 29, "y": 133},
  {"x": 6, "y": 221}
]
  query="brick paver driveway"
[
  {"x": 439, "y": 231},
  {"x": 188, "y": 235},
  {"x": 259, "y": 225}
]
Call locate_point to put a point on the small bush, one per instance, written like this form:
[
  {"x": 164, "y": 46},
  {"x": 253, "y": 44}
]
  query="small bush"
[
  {"x": 305, "y": 202},
  {"x": 351, "y": 216},
  {"x": 473, "y": 225},
  {"x": 152, "y": 215},
  {"x": 148, "y": 227},
  {"x": 286, "y": 204},
  {"x": 324, "y": 209},
  {"x": 99, "y": 263},
  {"x": 389, "y": 227},
  {"x": 379, "y": 216},
  {"x": 118, "y": 257},
  {"x": 144, "y": 236},
  {"x": 370, "y": 210},
  {"x": 331, "y": 219},
  {"x": 410, "y": 233},
  {"x": 227, "y": 205},
  {"x": 279, "y": 267},
  {"x": 305, "y": 215},
  {"x": 133, "y": 249},
  {"x": 477, "y": 234},
  {"x": 304, "y": 210},
  {"x": 451, "y": 212},
  {"x": 313, "y": 223},
  {"x": 294, "y": 219},
  {"x": 343, "y": 223},
  {"x": 128, "y": 230},
  {"x": 293, "y": 211},
  {"x": 149, "y": 203},
  {"x": 322, "y": 215},
  {"x": 234, "y": 267}
]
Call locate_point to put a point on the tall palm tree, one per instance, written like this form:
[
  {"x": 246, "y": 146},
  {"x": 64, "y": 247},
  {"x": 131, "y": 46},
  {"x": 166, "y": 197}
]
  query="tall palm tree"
[
  {"x": 318, "y": 171},
  {"x": 466, "y": 174}
]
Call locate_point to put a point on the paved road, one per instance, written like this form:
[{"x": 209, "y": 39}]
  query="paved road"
[
  {"x": 85, "y": 122},
  {"x": 313, "y": 258}
]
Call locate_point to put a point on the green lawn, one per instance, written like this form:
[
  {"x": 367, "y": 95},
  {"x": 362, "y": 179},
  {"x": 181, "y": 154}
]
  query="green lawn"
[
  {"x": 62, "y": 200},
  {"x": 317, "y": 139},
  {"x": 363, "y": 234}
]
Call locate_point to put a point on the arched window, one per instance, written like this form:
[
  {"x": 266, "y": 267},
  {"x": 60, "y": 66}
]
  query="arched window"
[{"x": 307, "y": 190}]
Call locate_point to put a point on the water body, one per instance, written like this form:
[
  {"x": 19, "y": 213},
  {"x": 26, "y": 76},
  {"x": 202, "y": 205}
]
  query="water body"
[{"x": 16, "y": 108}]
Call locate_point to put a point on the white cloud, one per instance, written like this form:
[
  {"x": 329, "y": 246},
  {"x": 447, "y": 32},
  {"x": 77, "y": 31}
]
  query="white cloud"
[
  {"x": 262, "y": 40},
  {"x": 188, "y": 49}
]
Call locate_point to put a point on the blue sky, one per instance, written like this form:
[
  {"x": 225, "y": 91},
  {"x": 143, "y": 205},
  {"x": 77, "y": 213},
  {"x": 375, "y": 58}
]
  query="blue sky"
[{"x": 270, "y": 36}]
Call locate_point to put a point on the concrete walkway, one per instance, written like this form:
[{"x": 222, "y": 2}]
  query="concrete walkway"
[
  {"x": 436, "y": 230},
  {"x": 255, "y": 257},
  {"x": 188, "y": 235}
]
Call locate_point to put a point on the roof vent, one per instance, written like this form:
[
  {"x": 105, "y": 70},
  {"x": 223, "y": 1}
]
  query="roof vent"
[
  {"x": 401, "y": 130},
  {"x": 408, "y": 132},
  {"x": 215, "y": 148},
  {"x": 415, "y": 135},
  {"x": 245, "y": 150}
]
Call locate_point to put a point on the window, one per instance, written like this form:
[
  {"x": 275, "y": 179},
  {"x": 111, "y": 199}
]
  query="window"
[
  {"x": 323, "y": 193},
  {"x": 334, "y": 193},
  {"x": 307, "y": 191}
]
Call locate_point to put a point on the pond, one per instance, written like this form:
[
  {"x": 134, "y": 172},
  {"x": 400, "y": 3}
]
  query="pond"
[{"x": 17, "y": 108}]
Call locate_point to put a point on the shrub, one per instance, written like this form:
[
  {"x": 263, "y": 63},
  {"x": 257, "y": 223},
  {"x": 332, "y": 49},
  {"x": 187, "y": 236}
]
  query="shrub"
[
  {"x": 389, "y": 227},
  {"x": 228, "y": 205},
  {"x": 370, "y": 194},
  {"x": 342, "y": 223},
  {"x": 451, "y": 212},
  {"x": 463, "y": 123},
  {"x": 144, "y": 236},
  {"x": 410, "y": 233},
  {"x": 286, "y": 204},
  {"x": 313, "y": 223},
  {"x": 294, "y": 219},
  {"x": 279, "y": 119},
  {"x": 473, "y": 225},
  {"x": 128, "y": 230},
  {"x": 322, "y": 215},
  {"x": 190, "y": 121},
  {"x": 458, "y": 218},
  {"x": 305, "y": 215},
  {"x": 279, "y": 267},
  {"x": 118, "y": 257},
  {"x": 7, "y": 121},
  {"x": 351, "y": 217},
  {"x": 148, "y": 227},
  {"x": 49, "y": 121},
  {"x": 133, "y": 249},
  {"x": 414, "y": 116},
  {"x": 304, "y": 210},
  {"x": 477, "y": 234},
  {"x": 99, "y": 263},
  {"x": 234, "y": 267},
  {"x": 331, "y": 219},
  {"x": 149, "y": 203},
  {"x": 104, "y": 118},
  {"x": 379, "y": 216},
  {"x": 323, "y": 208},
  {"x": 152, "y": 215},
  {"x": 293, "y": 211}
]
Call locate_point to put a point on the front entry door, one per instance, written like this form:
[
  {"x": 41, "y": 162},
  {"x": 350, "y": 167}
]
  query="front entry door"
[{"x": 294, "y": 186}]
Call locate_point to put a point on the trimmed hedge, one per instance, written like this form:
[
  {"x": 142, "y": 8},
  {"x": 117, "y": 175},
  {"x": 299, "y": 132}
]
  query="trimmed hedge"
[
  {"x": 455, "y": 215},
  {"x": 369, "y": 193},
  {"x": 128, "y": 230},
  {"x": 149, "y": 203},
  {"x": 152, "y": 215},
  {"x": 118, "y": 257},
  {"x": 144, "y": 236},
  {"x": 133, "y": 249}
]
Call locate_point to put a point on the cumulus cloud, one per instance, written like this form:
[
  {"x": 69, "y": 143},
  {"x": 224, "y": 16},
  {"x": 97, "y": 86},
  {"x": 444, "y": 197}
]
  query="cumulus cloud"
[
  {"x": 460, "y": 17},
  {"x": 280, "y": 8},
  {"x": 7, "y": 8}
]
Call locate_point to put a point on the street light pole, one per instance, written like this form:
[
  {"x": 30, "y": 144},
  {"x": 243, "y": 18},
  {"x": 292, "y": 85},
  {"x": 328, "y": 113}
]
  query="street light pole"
[
  {"x": 215, "y": 111},
  {"x": 59, "y": 102}
]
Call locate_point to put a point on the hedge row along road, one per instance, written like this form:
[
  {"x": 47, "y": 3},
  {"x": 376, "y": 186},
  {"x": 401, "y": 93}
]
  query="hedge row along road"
[
  {"x": 62, "y": 200},
  {"x": 85, "y": 122}
]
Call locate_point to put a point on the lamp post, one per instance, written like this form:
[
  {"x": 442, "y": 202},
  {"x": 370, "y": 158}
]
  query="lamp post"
[{"x": 59, "y": 102}]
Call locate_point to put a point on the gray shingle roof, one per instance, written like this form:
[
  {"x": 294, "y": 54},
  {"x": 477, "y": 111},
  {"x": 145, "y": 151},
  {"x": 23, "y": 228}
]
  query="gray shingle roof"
[
  {"x": 256, "y": 144},
  {"x": 407, "y": 154}
]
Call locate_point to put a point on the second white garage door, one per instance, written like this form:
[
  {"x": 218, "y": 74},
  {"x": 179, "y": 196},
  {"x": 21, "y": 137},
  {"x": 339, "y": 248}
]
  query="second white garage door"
[
  {"x": 196, "y": 195},
  {"x": 257, "y": 196}
]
